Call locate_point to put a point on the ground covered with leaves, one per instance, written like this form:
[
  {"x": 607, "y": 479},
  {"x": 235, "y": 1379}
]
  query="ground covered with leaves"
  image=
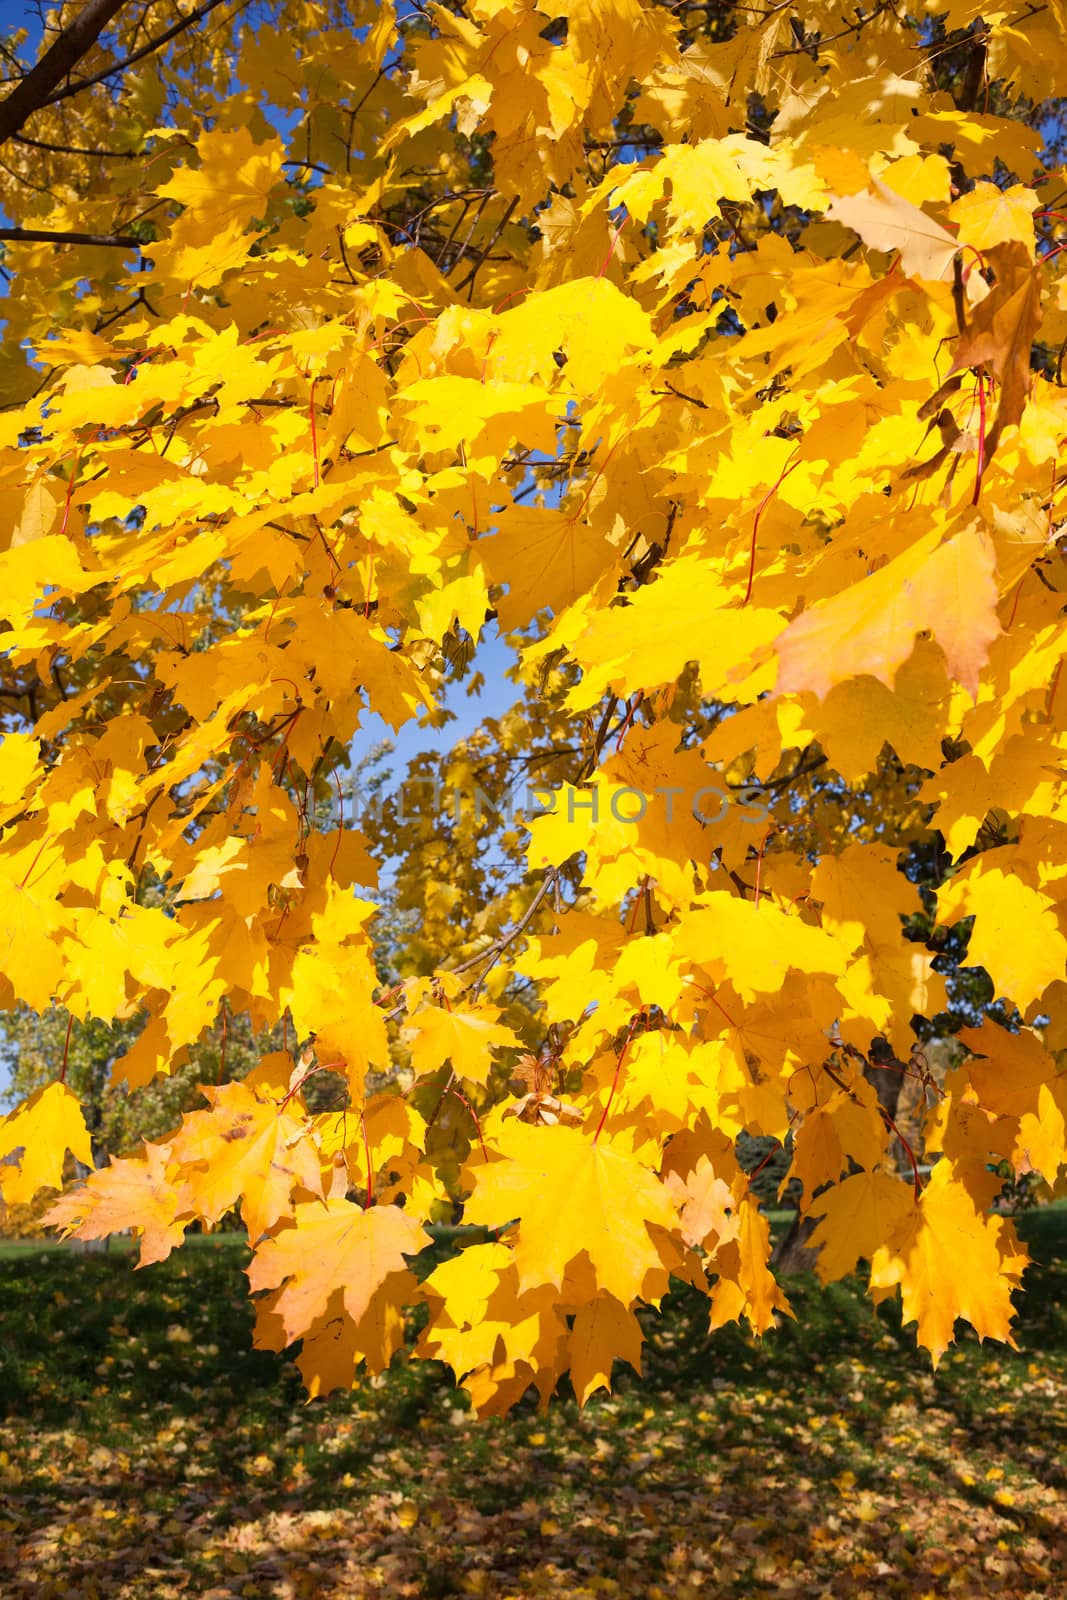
[{"x": 146, "y": 1451}]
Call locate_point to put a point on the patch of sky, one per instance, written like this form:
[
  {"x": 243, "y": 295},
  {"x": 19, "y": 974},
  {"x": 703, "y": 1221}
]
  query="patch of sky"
[{"x": 492, "y": 660}]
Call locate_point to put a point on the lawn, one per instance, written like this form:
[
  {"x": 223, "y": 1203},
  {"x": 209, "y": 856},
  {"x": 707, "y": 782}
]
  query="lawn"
[{"x": 146, "y": 1451}]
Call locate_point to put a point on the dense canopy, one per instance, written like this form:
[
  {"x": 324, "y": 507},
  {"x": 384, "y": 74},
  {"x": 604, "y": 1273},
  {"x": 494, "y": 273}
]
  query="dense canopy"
[{"x": 713, "y": 356}]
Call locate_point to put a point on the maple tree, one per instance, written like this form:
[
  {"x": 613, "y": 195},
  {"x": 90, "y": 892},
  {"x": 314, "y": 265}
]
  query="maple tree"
[{"x": 715, "y": 353}]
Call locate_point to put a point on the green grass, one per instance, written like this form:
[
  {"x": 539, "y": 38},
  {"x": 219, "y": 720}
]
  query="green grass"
[
  {"x": 118, "y": 1245},
  {"x": 148, "y": 1451}
]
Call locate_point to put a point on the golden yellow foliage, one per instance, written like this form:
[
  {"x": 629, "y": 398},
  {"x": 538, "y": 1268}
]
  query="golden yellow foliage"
[{"x": 709, "y": 354}]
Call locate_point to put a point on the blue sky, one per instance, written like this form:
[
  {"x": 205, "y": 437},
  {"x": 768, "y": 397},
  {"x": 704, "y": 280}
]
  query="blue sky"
[{"x": 492, "y": 659}]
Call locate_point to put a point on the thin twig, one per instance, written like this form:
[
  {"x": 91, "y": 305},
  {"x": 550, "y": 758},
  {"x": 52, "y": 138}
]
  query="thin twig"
[{"x": 483, "y": 254}]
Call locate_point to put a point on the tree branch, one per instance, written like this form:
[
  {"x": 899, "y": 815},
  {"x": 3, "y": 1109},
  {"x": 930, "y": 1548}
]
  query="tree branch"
[
  {"x": 137, "y": 55},
  {"x": 73, "y": 43},
  {"x": 39, "y": 87},
  {"x": 483, "y": 255},
  {"x": 500, "y": 944},
  {"x": 73, "y": 149},
  {"x": 47, "y": 236}
]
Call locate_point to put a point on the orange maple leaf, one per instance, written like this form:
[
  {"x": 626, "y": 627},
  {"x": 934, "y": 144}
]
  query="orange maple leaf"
[
  {"x": 951, "y": 1261},
  {"x": 248, "y": 1148},
  {"x": 137, "y": 1193}
]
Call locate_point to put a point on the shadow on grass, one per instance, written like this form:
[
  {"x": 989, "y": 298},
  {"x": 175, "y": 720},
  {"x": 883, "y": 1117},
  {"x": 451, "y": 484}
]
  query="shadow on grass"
[{"x": 149, "y": 1451}]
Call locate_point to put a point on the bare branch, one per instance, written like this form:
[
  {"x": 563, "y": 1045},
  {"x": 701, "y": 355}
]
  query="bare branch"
[
  {"x": 73, "y": 149},
  {"x": 483, "y": 255},
  {"x": 47, "y": 236}
]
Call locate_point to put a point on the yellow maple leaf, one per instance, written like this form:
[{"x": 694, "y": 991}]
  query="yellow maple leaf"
[
  {"x": 30, "y": 951},
  {"x": 19, "y": 756},
  {"x": 683, "y": 616},
  {"x": 861, "y": 715},
  {"x": 857, "y": 1216},
  {"x": 886, "y": 221},
  {"x": 1015, "y": 934},
  {"x": 745, "y": 1285},
  {"x": 459, "y": 1291},
  {"x": 607, "y": 1198},
  {"x": 950, "y": 1261},
  {"x": 1014, "y": 1077},
  {"x": 603, "y": 1332},
  {"x": 137, "y": 1193},
  {"x": 480, "y": 1321},
  {"x": 546, "y": 557},
  {"x": 988, "y": 215},
  {"x": 334, "y": 1346},
  {"x": 755, "y": 945},
  {"x": 447, "y": 411},
  {"x": 871, "y": 626},
  {"x": 699, "y": 175},
  {"x": 34, "y": 1140},
  {"x": 593, "y": 321},
  {"x": 705, "y": 1202},
  {"x": 330, "y": 1247},
  {"x": 330, "y": 997},
  {"x": 248, "y": 1148},
  {"x": 461, "y": 1035},
  {"x": 233, "y": 181}
]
